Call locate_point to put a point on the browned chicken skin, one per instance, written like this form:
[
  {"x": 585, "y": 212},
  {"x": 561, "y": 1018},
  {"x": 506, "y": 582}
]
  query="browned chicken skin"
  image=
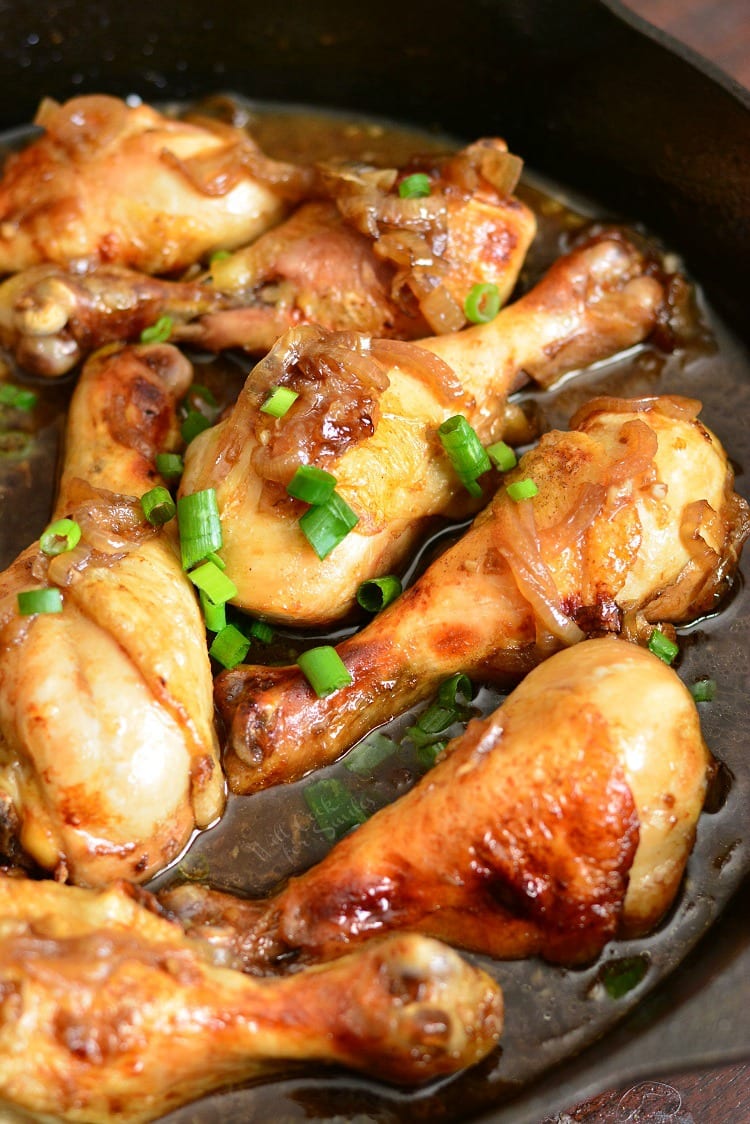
[
  {"x": 110, "y": 1013},
  {"x": 635, "y": 515},
  {"x": 109, "y": 183},
  {"x": 563, "y": 819},
  {"x": 108, "y": 751},
  {"x": 368, "y": 412}
]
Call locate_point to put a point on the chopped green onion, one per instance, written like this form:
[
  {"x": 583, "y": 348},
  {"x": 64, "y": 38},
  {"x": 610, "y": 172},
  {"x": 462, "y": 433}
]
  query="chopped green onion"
[
  {"x": 373, "y": 751},
  {"x": 428, "y": 754},
  {"x": 416, "y": 186},
  {"x": 374, "y": 594},
  {"x": 483, "y": 303},
  {"x": 432, "y": 721},
  {"x": 219, "y": 255},
  {"x": 229, "y": 647},
  {"x": 15, "y": 444},
  {"x": 621, "y": 976},
  {"x": 334, "y": 808},
  {"x": 522, "y": 490},
  {"x": 311, "y": 484},
  {"x": 662, "y": 646},
  {"x": 169, "y": 465},
  {"x": 158, "y": 332},
  {"x": 259, "y": 630},
  {"x": 17, "y": 397},
  {"x": 279, "y": 401},
  {"x": 194, "y": 423},
  {"x": 325, "y": 525},
  {"x": 217, "y": 561},
  {"x": 200, "y": 526},
  {"x": 158, "y": 506},
  {"x": 47, "y": 600},
  {"x": 60, "y": 537},
  {"x": 459, "y": 685},
  {"x": 502, "y": 456},
  {"x": 704, "y": 690},
  {"x": 214, "y": 615},
  {"x": 213, "y": 582},
  {"x": 324, "y": 670},
  {"x": 466, "y": 452}
]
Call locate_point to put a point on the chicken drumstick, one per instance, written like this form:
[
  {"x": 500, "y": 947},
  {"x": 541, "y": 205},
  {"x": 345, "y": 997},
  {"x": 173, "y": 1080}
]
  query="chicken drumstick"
[
  {"x": 108, "y": 753},
  {"x": 562, "y": 820},
  {"x": 368, "y": 411},
  {"x": 110, "y": 1013},
  {"x": 635, "y": 514}
]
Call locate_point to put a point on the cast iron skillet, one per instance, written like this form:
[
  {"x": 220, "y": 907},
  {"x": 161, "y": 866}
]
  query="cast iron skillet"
[{"x": 595, "y": 99}]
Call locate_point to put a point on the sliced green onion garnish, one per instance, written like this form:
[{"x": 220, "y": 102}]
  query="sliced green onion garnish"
[
  {"x": 458, "y": 686},
  {"x": 311, "y": 484},
  {"x": 324, "y": 670},
  {"x": 502, "y": 456},
  {"x": 466, "y": 452},
  {"x": 47, "y": 600},
  {"x": 194, "y": 423},
  {"x": 229, "y": 647},
  {"x": 428, "y": 754},
  {"x": 621, "y": 976},
  {"x": 662, "y": 646},
  {"x": 483, "y": 303},
  {"x": 334, "y": 808},
  {"x": 522, "y": 490},
  {"x": 374, "y": 594},
  {"x": 200, "y": 526},
  {"x": 219, "y": 255},
  {"x": 214, "y": 615},
  {"x": 416, "y": 186},
  {"x": 704, "y": 690},
  {"x": 213, "y": 582},
  {"x": 325, "y": 525},
  {"x": 432, "y": 721},
  {"x": 373, "y": 751},
  {"x": 18, "y": 397},
  {"x": 169, "y": 465},
  {"x": 217, "y": 561},
  {"x": 158, "y": 332},
  {"x": 158, "y": 506},
  {"x": 259, "y": 630},
  {"x": 60, "y": 537},
  {"x": 279, "y": 401}
]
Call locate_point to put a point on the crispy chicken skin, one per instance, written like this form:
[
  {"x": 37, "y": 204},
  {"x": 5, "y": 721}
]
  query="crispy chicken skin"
[
  {"x": 117, "y": 184},
  {"x": 108, "y": 751},
  {"x": 562, "y": 820},
  {"x": 635, "y": 521},
  {"x": 110, "y": 1013},
  {"x": 368, "y": 412}
]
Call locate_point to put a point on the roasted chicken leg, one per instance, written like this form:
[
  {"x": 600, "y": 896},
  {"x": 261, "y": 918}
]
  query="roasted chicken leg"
[
  {"x": 562, "y": 820},
  {"x": 110, "y": 1013},
  {"x": 107, "y": 746},
  {"x": 635, "y": 520},
  {"x": 109, "y": 183},
  {"x": 368, "y": 411}
]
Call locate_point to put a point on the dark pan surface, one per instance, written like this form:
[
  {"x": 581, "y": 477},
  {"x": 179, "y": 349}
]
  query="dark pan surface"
[{"x": 603, "y": 109}]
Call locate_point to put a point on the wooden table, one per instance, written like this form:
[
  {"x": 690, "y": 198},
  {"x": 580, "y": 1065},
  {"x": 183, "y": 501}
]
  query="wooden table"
[{"x": 720, "y": 31}]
